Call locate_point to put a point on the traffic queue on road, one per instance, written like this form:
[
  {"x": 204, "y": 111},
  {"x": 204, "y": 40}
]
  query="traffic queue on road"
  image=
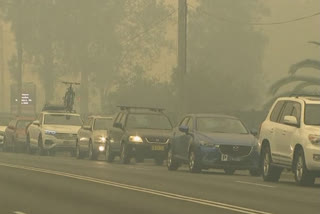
[{"x": 288, "y": 139}]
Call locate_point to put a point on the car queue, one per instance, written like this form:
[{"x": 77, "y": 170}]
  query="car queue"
[{"x": 201, "y": 141}]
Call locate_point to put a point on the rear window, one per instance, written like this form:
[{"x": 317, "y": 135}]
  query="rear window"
[
  {"x": 312, "y": 114},
  {"x": 102, "y": 124},
  {"x": 22, "y": 124},
  {"x": 148, "y": 121}
]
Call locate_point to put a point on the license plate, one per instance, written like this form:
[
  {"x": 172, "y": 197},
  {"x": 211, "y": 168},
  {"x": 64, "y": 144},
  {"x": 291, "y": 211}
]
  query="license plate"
[
  {"x": 224, "y": 157},
  {"x": 157, "y": 148}
]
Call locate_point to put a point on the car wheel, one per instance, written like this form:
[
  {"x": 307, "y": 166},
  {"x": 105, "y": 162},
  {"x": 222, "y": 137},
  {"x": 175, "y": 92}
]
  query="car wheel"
[
  {"x": 229, "y": 171},
  {"x": 109, "y": 155},
  {"x": 255, "y": 172},
  {"x": 194, "y": 163},
  {"x": 124, "y": 154},
  {"x": 28, "y": 146},
  {"x": 269, "y": 172},
  {"x": 172, "y": 163},
  {"x": 92, "y": 156},
  {"x": 301, "y": 174},
  {"x": 159, "y": 161},
  {"x": 41, "y": 150},
  {"x": 78, "y": 152}
]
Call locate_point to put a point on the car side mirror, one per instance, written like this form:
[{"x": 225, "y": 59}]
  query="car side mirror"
[
  {"x": 87, "y": 128},
  {"x": 254, "y": 132},
  {"x": 36, "y": 123},
  {"x": 117, "y": 125},
  {"x": 290, "y": 120},
  {"x": 184, "y": 129}
]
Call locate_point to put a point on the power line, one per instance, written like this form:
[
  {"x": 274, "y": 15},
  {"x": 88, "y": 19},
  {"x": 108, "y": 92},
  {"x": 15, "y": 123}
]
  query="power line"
[
  {"x": 255, "y": 23},
  {"x": 153, "y": 25}
]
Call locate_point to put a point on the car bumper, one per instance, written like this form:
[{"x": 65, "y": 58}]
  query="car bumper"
[
  {"x": 52, "y": 143},
  {"x": 213, "y": 158},
  {"x": 148, "y": 150},
  {"x": 312, "y": 157}
]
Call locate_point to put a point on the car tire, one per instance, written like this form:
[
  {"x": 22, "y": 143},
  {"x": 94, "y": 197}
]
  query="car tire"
[
  {"x": 124, "y": 154},
  {"x": 109, "y": 154},
  {"x": 172, "y": 162},
  {"x": 194, "y": 162},
  {"x": 270, "y": 173},
  {"x": 302, "y": 176},
  {"x": 255, "y": 172},
  {"x": 28, "y": 146},
  {"x": 92, "y": 155},
  {"x": 79, "y": 154},
  {"x": 229, "y": 171},
  {"x": 41, "y": 151}
]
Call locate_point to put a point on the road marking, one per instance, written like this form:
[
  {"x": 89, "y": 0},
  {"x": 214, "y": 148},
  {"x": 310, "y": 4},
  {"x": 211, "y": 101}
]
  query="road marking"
[
  {"x": 141, "y": 189},
  {"x": 255, "y": 184},
  {"x": 18, "y": 212}
]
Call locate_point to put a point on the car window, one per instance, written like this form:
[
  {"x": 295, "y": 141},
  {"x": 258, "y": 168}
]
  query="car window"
[
  {"x": 276, "y": 111},
  {"x": 123, "y": 119},
  {"x": 288, "y": 109},
  {"x": 148, "y": 121},
  {"x": 102, "y": 124},
  {"x": 87, "y": 122},
  {"x": 220, "y": 125},
  {"x": 190, "y": 124},
  {"x": 118, "y": 118},
  {"x": 62, "y": 119},
  {"x": 312, "y": 114},
  {"x": 22, "y": 124},
  {"x": 184, "y": 121},
  {"x": 296, "y": 111}
]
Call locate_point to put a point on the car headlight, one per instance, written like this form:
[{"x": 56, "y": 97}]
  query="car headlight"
[
  {"x": 50, "y": 132},
  {"x": 135, "y": 139},
  {"x": 314, "y": 139},
  {"x": 101, "y": 139}
]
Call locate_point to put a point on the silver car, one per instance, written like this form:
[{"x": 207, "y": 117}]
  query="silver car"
[{"x": 92, "y": 137}]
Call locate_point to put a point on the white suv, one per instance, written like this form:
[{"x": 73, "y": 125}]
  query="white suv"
[{"x": 290, "y": 138}]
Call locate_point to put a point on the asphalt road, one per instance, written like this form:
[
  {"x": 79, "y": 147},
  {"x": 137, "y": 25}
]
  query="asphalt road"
[{"x": 58, "y": 185}]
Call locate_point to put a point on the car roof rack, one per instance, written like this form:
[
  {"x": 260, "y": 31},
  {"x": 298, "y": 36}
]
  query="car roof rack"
[
  {"x": 128, "y": 108},
  {"x": 55, "y": 108},
  {"x": 305, "y": 95}
]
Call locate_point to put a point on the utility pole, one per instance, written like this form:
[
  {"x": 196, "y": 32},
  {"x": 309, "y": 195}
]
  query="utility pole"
[
  {"x": 2, "y": 67},
  {"x": 182, "y": 51},
  {"x": 19, "y": 37}
]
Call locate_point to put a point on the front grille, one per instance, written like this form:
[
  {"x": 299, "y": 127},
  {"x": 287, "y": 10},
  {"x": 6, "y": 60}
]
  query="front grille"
[
  {"x": 234, "y": 150},
  {"x": 157, "y": 139},
  {"x": 66, "y": 136}
]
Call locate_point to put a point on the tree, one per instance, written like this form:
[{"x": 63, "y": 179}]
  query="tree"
[
  {"x": 224, "y": 57},
  {"x": 302, "y": 80}
]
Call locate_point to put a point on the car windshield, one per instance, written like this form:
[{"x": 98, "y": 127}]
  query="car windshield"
[
  {"x": 312, "y": 114},
  {"x": 62, "y": 119},
  {"x": 220, "y": 125},
  {"x": 148, "y": 121},
  {"x": 22, "y": 124},
  {"x": 102, "y": 124},
  {"x": 4, "y": 121}
]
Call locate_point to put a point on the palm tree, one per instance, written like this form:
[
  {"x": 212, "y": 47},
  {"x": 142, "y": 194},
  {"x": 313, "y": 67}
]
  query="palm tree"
[{"x": 303, "y": 81}]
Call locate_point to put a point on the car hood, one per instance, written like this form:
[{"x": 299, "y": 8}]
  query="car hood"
[
  {"x": 62, "y": 129},
  {"x": 99, "y": 133},
  {"x": 150, "y": 132},
  {"x": 313, "y": 129},
  {"x": 227, "y": 139},
  {"x": 3, "y": 128}
]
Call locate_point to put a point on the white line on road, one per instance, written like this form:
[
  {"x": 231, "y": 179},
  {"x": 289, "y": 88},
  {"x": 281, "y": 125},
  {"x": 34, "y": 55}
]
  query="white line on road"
[
  {"x": 18, "y": 212},
  {"x": 141, "y": 189},
  {"x": 255, "y": 184}
]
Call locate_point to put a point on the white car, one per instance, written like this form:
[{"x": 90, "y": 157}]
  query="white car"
[
  {"x": 92, "y": 137},
  {"x": 290, "y": 138},
  {"x": 53, "y": 131}
]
